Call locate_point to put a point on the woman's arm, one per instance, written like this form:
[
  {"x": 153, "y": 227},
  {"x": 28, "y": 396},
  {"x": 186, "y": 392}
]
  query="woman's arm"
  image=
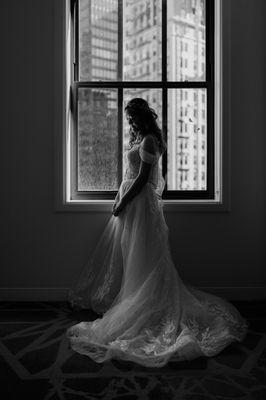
[
  {"x": 141, "y": 179},
  {"x": 138, "y": 183}
]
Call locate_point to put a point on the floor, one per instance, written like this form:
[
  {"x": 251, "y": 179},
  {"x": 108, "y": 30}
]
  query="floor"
[{"x": 36, "y": 362}]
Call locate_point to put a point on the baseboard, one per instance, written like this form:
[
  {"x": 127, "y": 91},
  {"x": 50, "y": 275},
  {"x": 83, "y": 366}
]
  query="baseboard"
[
  {"x": 237, "y": 293},
  {"x": 33, "y": 294}
]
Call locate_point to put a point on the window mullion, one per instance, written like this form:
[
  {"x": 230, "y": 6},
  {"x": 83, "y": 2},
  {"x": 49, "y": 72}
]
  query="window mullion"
[
  {"x": 120, "y": 92},
  {"x": 164, "y": 40},
  {"x": 164, "y": 86},
  {"x": 144, "y": 84},
  {"x": 76, "y": 41},
  {"x": 209, "y": 54},
  {"x": 120, "y": 135},
  {"x": 120, "y": 41},
  {"x": 210, "y": 94},
  {"x": 74, "y": 142},
  {"x": 164, "y": 123}
]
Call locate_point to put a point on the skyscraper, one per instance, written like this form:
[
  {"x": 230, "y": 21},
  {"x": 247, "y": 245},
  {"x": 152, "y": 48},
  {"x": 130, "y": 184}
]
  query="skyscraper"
[
  {"x": 186, "y": 107},
  {"x": 142, "y": 59}
]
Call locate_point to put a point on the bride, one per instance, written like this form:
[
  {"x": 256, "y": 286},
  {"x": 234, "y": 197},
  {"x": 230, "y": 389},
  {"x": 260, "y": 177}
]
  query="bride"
[{"x": 149, "y": 315}]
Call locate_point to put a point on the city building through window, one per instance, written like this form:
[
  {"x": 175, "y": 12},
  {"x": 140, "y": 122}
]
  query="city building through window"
[{"x": 162, "y": 51}]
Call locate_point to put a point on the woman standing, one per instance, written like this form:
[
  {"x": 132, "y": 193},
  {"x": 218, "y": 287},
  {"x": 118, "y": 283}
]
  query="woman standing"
[{"x": 149, "y": 314}]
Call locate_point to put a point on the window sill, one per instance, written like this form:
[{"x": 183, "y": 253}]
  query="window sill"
[{"x": 168, "y": 206}]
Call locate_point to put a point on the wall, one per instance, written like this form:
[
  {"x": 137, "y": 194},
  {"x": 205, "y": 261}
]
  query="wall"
[{"x": 44, "y": 249}]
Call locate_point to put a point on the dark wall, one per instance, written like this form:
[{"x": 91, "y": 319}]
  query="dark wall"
[{"x": 44, "y": 249}]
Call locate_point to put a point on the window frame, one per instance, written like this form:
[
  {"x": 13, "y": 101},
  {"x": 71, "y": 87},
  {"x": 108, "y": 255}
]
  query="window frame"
[{"x": 64, "y": 97}]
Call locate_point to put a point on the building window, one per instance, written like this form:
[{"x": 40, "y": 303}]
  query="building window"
[{"x": 107, "y": 72}]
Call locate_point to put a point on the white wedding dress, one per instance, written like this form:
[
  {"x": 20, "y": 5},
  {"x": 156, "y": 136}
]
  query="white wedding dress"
[{"x": 149, "y": 314}]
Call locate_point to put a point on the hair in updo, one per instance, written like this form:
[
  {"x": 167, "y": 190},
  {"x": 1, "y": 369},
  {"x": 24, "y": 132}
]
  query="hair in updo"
[{"x": 147, "y": 122}]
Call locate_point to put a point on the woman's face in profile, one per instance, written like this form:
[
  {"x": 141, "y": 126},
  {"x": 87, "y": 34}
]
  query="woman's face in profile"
[{"x": 133, "y": 121}]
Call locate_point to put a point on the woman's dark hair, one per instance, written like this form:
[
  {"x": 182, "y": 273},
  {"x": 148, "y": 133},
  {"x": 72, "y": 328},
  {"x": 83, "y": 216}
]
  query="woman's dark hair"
[{"x": 147, "y": 123}]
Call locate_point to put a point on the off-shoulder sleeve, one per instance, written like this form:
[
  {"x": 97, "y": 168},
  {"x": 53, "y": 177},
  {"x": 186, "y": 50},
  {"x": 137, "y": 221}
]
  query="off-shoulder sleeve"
[{"x": 146, "y": 156}]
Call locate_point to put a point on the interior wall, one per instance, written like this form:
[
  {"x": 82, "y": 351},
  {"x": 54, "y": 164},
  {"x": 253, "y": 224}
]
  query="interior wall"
[{"x": 44, "y": 249}]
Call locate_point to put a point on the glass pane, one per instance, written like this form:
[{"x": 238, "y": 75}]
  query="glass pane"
[
  {"x": 97, "y": 139},
  {"x": 142, "y": 40},
  {"x": 98, "y": 40},
  {"x": 187, "y": 139},
  {"x": 154, "y": 98},
  {"x": 186, "y": 25}
]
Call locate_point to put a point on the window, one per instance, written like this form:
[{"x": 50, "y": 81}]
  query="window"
[{"x": 108, "y": 70}]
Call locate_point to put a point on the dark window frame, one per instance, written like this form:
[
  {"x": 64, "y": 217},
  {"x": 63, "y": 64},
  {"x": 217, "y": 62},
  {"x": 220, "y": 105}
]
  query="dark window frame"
[{"x": 164, "y": 85}]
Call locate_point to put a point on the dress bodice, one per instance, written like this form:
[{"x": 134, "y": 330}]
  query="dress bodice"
[{"x": 133, "y": 159}]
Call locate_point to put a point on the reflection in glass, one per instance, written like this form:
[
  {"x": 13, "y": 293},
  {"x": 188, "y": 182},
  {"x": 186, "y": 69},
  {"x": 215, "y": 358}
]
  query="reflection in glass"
[
  {"x": 97, "y": 139},
  {"x": 142, "y": 40},
  {"x": 98, "y": 40},
  {"x": 186, "y": 25},
  {"x": 187, "y": 139}
]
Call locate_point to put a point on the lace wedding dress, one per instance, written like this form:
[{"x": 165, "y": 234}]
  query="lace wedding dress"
[{"x": 149, "y": 314}]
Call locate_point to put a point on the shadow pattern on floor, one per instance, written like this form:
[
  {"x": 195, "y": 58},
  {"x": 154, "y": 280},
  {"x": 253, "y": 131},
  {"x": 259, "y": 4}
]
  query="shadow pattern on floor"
[{"x": 36, "y": 362}]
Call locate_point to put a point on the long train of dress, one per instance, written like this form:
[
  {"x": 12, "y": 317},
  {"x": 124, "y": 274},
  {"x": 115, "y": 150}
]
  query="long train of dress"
[{"x": 149, "y": 315}]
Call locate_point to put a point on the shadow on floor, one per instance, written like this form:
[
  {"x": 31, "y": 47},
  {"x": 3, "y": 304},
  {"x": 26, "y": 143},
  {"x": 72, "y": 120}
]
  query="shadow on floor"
[{"x": 37, "y": 362}]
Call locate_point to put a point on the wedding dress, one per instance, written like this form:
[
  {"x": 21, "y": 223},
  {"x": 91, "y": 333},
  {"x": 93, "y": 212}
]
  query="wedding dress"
[{"x": 149, "y": 315}]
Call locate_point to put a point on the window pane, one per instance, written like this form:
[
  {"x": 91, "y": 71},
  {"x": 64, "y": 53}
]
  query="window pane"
[
  {"x": 153, "y": 97},
  {"x": 186, "y": 25},
  {"x": 97, "y": 139},
  {"x": 98, "y": 40},
  {"x": 187, "y": 139},
  {"x": 142, "y": 40}
]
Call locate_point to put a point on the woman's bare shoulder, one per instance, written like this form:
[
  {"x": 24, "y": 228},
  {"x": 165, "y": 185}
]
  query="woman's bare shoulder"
[{"x": 149, "y": 143}]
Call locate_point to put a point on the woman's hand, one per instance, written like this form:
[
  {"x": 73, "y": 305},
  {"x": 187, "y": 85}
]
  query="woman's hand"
[
  {"x": 114, "y": 206},
  {"x": 117, "y": 208}
]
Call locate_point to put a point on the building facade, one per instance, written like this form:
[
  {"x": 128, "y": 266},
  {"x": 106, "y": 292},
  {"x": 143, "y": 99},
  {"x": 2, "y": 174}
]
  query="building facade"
[{"x": 141, "y": 57}]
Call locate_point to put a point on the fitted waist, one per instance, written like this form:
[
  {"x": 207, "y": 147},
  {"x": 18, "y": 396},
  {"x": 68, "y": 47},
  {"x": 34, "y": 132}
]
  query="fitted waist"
[
  {"x": 150, "y": 186},
  {"x": 132, "y": 179}
]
